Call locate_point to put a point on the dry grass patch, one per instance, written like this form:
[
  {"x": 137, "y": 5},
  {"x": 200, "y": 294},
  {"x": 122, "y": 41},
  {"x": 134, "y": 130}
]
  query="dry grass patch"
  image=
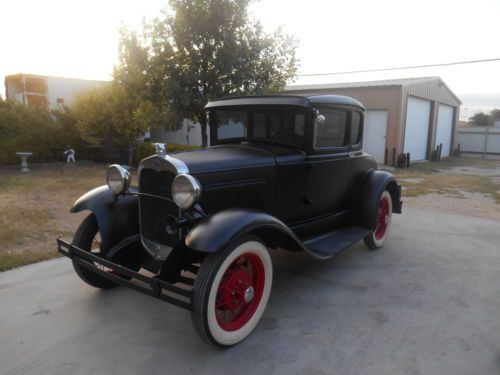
[
  {"x": 34, "y": 209},
  {"x": 447, "y": 178},
  {"x": 452, "y": 185}
]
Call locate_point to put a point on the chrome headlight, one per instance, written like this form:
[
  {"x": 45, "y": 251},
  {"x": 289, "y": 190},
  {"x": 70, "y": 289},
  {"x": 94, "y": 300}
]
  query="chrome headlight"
[
  {"x": 118, "y": 179},
  {"x": 185, "y": 190}
]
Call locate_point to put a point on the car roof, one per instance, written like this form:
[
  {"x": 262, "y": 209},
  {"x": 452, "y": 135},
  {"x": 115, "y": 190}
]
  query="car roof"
[
  {"x": 335, "y": 99},
  {"x": 301, "y": 101}
]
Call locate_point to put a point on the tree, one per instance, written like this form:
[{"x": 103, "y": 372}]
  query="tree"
[
  {"x": 481, "y": 119},
  {"x": 110, "y": 112},
  {"x": 205, "y": 49},
  {"x": 495, "y": 115},
  {"x": 35, "y": 129}
]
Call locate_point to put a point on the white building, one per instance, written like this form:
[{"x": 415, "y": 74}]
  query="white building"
[
  {"x": 52, "y": 92},
  {"x": 188, "y": 134}
]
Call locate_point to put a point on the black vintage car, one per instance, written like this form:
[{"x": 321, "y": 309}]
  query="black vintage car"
[{"x": 282, "y": 172}]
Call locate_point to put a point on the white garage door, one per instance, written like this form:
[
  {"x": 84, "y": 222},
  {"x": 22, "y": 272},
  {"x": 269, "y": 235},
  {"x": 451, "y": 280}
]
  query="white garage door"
[
  {"x": 444, "y": 128},
  {"x": 418, "y": 112},
  {"x": 374, "y": 134}
]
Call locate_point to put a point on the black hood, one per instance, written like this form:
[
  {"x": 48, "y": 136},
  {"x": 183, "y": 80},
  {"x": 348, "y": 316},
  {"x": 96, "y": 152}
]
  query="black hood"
[{"x": 227, "y": 157}]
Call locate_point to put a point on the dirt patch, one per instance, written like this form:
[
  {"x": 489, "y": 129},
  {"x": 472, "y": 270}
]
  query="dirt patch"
[
  {"x": 468, "y": 204},
  {"x": 463, "y": 186},
  {"x": 452, "y": 185}
]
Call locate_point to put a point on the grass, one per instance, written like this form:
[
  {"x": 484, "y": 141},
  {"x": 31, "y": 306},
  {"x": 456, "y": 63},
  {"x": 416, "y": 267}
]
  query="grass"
[
  {"x": 34, "y": 209},
  {"x": 8, "y": 261},
  {"x": 448, "y": 177}
]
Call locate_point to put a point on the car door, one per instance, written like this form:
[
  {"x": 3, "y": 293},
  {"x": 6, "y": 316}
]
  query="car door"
[{"x": 333, "y": 163}]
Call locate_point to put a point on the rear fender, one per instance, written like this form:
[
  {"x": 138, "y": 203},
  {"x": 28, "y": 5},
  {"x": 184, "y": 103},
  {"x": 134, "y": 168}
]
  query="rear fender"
[
  {"x": 374, "y": 185},
  {"x": 217, "y": 231},
  {"x": 117, "y": 216}
]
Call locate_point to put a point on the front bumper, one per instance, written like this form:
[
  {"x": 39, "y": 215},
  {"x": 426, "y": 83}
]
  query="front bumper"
[{"x": 179, "y": 294}]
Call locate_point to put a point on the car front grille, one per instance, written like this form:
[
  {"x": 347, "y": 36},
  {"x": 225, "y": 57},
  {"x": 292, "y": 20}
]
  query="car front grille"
[{"x": 153, "y": 209}]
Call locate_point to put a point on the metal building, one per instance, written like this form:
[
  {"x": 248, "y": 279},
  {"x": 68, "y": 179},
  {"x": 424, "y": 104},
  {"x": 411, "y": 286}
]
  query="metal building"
[
  {"x": 413, "y": 115},
  {"x": 47, "y": 91}
]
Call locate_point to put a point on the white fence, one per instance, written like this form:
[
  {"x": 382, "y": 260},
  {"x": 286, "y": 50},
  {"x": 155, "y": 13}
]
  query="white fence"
[{"x": 480, "y": 141}]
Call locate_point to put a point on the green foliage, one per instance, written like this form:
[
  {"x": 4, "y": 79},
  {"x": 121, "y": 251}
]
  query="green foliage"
[
  {"x": 202, "y": 50},
  {"x": 495, "y": 114},
  {"x": 484, "y": 119},
  {"x": 480, "y": 119},
  {"x": 175, "y": 147},
  {"x": 35, "y": 129},
  {"x": 111, "y": 112},
  {"x": 143, "y": 150}
]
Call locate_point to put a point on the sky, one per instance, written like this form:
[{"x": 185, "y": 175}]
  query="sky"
[{"x": 79, "y": 39}]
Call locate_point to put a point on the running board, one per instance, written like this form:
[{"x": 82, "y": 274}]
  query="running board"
[{"x": 327, "y": 245}]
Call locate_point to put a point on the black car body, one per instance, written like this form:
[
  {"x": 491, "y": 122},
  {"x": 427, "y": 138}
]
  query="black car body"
[{"x": 282, "y": 171}]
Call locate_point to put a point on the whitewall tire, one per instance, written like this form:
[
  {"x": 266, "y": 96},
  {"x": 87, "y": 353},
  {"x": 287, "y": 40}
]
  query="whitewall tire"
[
  {"x": 382, "y": 223},
  {"x": 231, "y": 292}
]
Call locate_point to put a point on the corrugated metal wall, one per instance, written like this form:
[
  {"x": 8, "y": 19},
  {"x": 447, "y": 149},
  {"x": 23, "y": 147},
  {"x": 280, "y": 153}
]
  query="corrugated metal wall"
[
  {"x": 381, "y": 97},
  {"x": 480, "y": 142},
  {"x": 433, "y": 90},
  {"x": 437, "y": 92}
]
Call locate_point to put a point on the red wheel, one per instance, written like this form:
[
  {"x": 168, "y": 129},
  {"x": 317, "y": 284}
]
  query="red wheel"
[
  {"x": 382, "y": 222},
  {"x": 239, "y": 292},
  {"x": 231, "y": 292}
]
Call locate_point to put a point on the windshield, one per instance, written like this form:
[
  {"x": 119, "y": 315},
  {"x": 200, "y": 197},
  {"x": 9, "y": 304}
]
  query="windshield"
[{"x": 282, "y": 125}]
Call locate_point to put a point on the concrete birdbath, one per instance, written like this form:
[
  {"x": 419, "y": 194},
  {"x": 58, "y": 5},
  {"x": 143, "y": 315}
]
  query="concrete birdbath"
[{"x": 24, "y": 160}]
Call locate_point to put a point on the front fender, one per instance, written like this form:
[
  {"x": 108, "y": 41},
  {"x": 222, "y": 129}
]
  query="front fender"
[
  {"x": 117, "y": 217},
  {"x": 374, "y": 185},
  {"x": 217, "y": 231}
]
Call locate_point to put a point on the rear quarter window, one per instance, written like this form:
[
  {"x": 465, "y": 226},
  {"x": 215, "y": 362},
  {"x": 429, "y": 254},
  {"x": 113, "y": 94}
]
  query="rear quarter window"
[
  {"x": 332, "y": 132},
  {"x": 355, "y": 128}
]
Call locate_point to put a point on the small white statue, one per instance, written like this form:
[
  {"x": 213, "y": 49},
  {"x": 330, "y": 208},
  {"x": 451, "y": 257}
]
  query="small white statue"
[{"x": 69, "y": 155}]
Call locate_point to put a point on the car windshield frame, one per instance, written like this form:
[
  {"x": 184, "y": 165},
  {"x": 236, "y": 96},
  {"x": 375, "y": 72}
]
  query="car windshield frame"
[{"x": 251, "y": 110}]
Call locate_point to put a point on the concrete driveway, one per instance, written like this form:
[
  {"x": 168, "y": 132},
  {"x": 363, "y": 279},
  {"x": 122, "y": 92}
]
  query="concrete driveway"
[{"x": 427, "y": 303}]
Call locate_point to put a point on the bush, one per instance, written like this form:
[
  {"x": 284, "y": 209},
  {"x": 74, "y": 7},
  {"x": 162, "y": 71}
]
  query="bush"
[
  {"x": 145, "y": 149},
  {"x": 175, "y": 147},
  {"x": 35, "y": 129},
  {"x": 46, "y": 134}
]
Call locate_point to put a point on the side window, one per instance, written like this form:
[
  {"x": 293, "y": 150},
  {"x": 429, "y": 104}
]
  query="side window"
[
  {"x": 332, "y": 132},
  {"x": 259, "y": 125},
  {"x": 355, "y": 128},
  {"x": 274, "y": 123}
]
